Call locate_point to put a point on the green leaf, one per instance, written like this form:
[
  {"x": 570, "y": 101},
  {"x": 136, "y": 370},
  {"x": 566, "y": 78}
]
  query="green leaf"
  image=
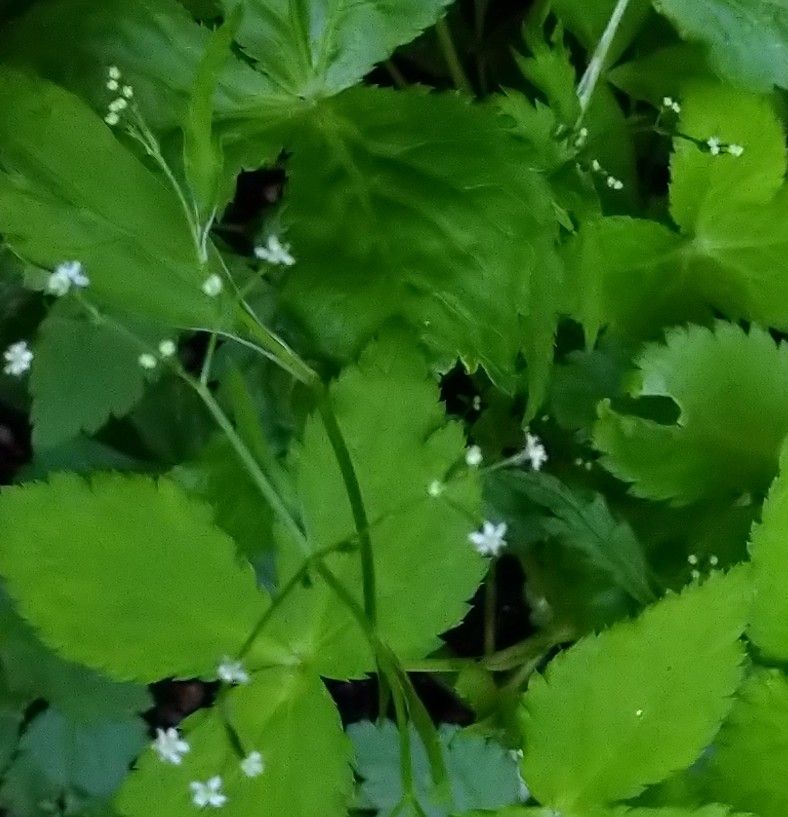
[
  {"x": 731, "y": 389},
  {"x": 315, "y": 49},
  {"x": 395, "y": 428},
  {"x": 70, "y": 190},
  {"x": 126, "y": 575},
  {"x": 749, "y": 757},
  {"x": 625, "y": 708},
  {"x": 769, "y": 625},
  {"x": 433, "y": 217},
  {"x": 155, "y": 43},
  {"x": 482, "y": 773},
  {"x": 713, "y": 810},
  {"x": 587, "y": 526},
  {"x": 746, "y": 38},
  {"x": 60, "y": 760},
  {"x": 83, "y": 373},
  {"x": 287, "y": 716}
]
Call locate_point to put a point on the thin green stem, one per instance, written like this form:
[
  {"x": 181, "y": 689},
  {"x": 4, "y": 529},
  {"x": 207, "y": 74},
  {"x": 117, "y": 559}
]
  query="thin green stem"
[
  {"x": 588, "y": 82},
  {"x": 479, "y": 18},
  {"x": 396, "y": 74},
  {"x": 453, "y": 63},
  {"x": 490, "y": 603},
  {"x": 205, "y": 373}
]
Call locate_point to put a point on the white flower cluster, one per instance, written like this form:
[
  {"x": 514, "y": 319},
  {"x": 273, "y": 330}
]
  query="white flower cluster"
[
  {"x": 717, "y": 147},
  {"x": 167, "y": 349},
  {"x": 611, "y": 181},
  {"x": 670, "y": 104},
  {"x": 125, "y": 93},
  {"x": 171, "y": 748},
  {"x": 67, "y": 275},
  {"x": 694, "y": 562},
  {"x": 275, "y": 252},
  {"x": 18, "y": 357}
]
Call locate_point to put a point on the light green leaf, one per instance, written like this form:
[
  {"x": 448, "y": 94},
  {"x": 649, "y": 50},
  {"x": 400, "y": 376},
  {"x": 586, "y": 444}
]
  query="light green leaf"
[
  {"x": 625, "y": 708},
  {"x": 60, "y": 760},
  {"x": 769, "y": 551},
  {"x": 713, "y": 810},
  {"x": 749, "y": 757},
  {"x": 285, "y": 714},
  {"x": 731, "y": 389},
  {"x": 481, "y": 772},
  {"x": 83, "y": 373},
  {"x": 318, "y": 48},
  {"x": 70, "y": 190},
  {"x": 399, "y": 441},
  {"x": 126, "y": 575},
  {"x": 434, "y": 216},
  {"x": 747, "y": 39}
]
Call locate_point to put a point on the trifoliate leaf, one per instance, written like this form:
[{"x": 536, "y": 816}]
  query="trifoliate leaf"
[
  {"x": 70, "y": 191},
  {"x": 586, "y": 526},
  {"x": 62, "y": 761},
  {"x": 284, "y": 714},
  {"x": 749, "y": 756},
  {"x": 314, "y": 49},
  {"x": 31, "y": 671},
  {"x": 625, "y": 708},
  {"x": 126, "y": 575},
  {"x": 746, "y": 38},
  {"x": 434, "y": 216},
  {"x": 731, "y": 388},
  {"x": 155, "y": 43},
  {"x": 482, "y": 774},
  {"x": 769, "y": 551},
  {"x": 389, "y": 412},
  {"x": 83, "y": 373}
]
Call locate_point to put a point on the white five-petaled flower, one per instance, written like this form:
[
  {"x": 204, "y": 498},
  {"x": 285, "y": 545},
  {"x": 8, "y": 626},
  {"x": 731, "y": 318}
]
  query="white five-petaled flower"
[
  {"x": 274, "y": 252},
  {"x": 208, "y": 793},
  {"x": 18, "y": 358},
  {"x": 170, "y": 746},
  {"x": 534, "y": 451},
  {"x": 253, "y": 764},
  {"x": 714, "y": 144},
  {"x": 66, "y": 275},
  {"x": 212, "y": 285},
  {"x": 147, "y": 360},
  {"x": 473, "y": 456},
  {"x": 735, "y": 150},
  {"x": 232, "y": 672},
  {"x": 489, "y": 541}
]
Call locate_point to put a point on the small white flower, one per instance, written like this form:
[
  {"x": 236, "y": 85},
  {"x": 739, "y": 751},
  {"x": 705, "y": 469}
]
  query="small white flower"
[
  {"x": 595, "y": 166},
  {"x": 118, "y": 104},
  {"x": 713, "y": 560},
  {"x": 66, "y": 275},
  {"x": 274, "y": 252},
  {"x": 253, "y": 764},
  {"x": 667, "y": 102},
  {"x": 232, "y": 672},
  {"x": 208, "y": 794},
  {"x": 147, "y": 361},
  {"x": 735, "y": 150},
  {"x": 212, "y": 286},
  {"x": 476, "y": 404},
  {"x": 489, "y": 541},
  {"x": 170, "y": 746},
  {"x": 473, "y": 457},
  {"x": 695, "y": 574},
  {"x": 582, "y": 137},
  {"x": 167, "y": 348},
  {"x": 18, "y": 358},
  {"x": 638, "y": 713},
  {"x": 692, "y": 559},
  {"x": 127, "y": 91},
  {"x": 534, "y": 451},
  {"x": 614, "y": 183},
  {"x": 112, "y": 85},
  {"x": 113, "y": 72},
  {"x": 112, "y": 118},
  {"x": 435, "y": 488},
  {"x": 714, "y": 145}
]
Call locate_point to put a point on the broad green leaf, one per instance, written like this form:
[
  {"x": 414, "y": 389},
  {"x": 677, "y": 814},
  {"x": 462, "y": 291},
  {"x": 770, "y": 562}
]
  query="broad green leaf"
[
  {"x": 155, "y": 43},
  {"x": 389, "y": 412},
  {"x": 713, "y": 810},
  {"x": 433, "y": 217},
  {"x": 481, "y": 772},
  {"x": 623, "y": 709},
  {"x": 749, "y": 755},
  {"x": 10, "y": 726},
  {"x": 126, "y": 575},
  {"x": 587, "y": 526},
  {"x": 83, "y": 373},
  {"x": 285, "y": 714},
  {"x": 63, "y": 761},
  {"x": 769, "y": 552},
  {"x": 731, "y": 389},
  {"x": 315, "y": 48},
  {"x": 747, "y": 39},
  {"x": 704, "y": 186},
  {"x": 70, "y": 190}
]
